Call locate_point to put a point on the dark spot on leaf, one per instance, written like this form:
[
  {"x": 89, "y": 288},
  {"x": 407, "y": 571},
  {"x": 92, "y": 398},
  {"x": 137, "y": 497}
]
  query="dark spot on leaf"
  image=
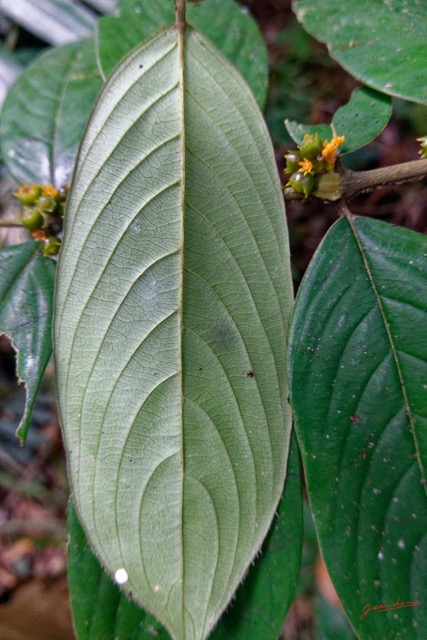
[
  {"x": 250, "y": 374},
  {"x": 222, "y": 333},
  {"x": 354, "y": 418}
]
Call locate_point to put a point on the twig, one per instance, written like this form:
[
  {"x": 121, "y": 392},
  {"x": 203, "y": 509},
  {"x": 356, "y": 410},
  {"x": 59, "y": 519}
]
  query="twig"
[
  {"x": 11, "y": 223},
  {"x": 180, "y": 14},
  {"x": 343, "y": 210},
  {"x": 348, "y": 184},
  {"x": 357, "y": 182}
]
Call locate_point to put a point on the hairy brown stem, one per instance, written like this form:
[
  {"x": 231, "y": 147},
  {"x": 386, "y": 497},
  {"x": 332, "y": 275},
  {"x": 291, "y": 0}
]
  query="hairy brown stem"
[
  {"x": 10, "y": 223},
  {"x": 357, "y": 182},
  {"x": 180, "y": 14},
  {"x": 343, "y": 210}
]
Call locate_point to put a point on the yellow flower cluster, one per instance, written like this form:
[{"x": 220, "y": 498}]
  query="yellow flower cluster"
[
  {"x": 43, "y": 209},
  {"x": 313, "y": 157}
]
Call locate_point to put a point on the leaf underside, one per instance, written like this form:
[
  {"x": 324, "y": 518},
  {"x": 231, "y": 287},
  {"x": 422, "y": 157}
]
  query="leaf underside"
[
  {"x": 172, "y": 313},
  {"x": 101, "y": 610},
  {"x": 229, "y": 27},
  {"x": 359, "y": 355},
  {"x": 26, "y": 306}
]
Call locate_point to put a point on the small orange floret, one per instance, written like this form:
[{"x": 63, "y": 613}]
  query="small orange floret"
[
  {"x": 329, "y": 151},
  {"x": 23, "y": 188},
  {"x": 306, "y": 166},
  {"x": 39, "y": 234},
  {"x": 48, "y": 190}
]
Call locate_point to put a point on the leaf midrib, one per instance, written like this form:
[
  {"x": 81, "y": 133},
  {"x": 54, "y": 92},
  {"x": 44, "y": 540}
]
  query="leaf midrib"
[
  {"x": 394, "y": 350},
  {"x": 180, "y": 30}
]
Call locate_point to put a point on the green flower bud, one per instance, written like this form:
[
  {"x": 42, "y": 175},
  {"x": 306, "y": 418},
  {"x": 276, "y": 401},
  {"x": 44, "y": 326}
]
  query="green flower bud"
[
  {"x": 31, "y": 218},
  {"x": 292, "y": 161},
  {"x": 311, "y": 146},
  {"x": 301, "y": 183},
  {"x": 27, "y": 193},
  {"x": 47, "y": 204},
  {"x": 51, "y": 246}
]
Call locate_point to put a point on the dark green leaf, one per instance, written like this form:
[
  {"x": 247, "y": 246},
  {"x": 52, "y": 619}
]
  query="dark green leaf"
[
  {"x": 100, "y": 610},
  {"x": 383, "y": 44},
  {"x": 330, "y": 622},
  {"x": 297, "y": 131},
  {"x": 229, "y": 26},
  {"x": 54, "y": 21},
  {"x": 26, "y": 300},
  {"x": 358, "y": 369},
  {"x": 361, "y": 120},
  {"x": 45, "y": 113}
]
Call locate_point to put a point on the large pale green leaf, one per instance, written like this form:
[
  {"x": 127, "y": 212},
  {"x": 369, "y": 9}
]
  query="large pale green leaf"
[
  {"x": 26, "y": 301},
  {"x": 99, "y": 608},
  {"x": 380, "y": 42},
  {"x": 45, "y": 113},
  {"x": 360, "y": 120},
  {"x": 224, "y": 22},
  {"x": 358, "y": 387},
  {"x": 172, "y": 313},
  {"x": 258, "y": 611},
  {"x": 54, "y": 21},
  {"x": 260, "y": 606}
]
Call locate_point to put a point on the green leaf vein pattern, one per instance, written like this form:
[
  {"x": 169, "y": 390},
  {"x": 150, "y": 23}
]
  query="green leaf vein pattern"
[
  {"x": 359, "y": 352},
  {"x": 172, "y": 308}
]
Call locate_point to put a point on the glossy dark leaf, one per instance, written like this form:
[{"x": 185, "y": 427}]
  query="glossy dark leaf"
[
  {"x": 26, "y": 301},
  {"x": 358, "y": 385},
  {"x": 45, "y": 113},
  {"x": 380, "y": 43},
  {"x": 360, "y": 120}
]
